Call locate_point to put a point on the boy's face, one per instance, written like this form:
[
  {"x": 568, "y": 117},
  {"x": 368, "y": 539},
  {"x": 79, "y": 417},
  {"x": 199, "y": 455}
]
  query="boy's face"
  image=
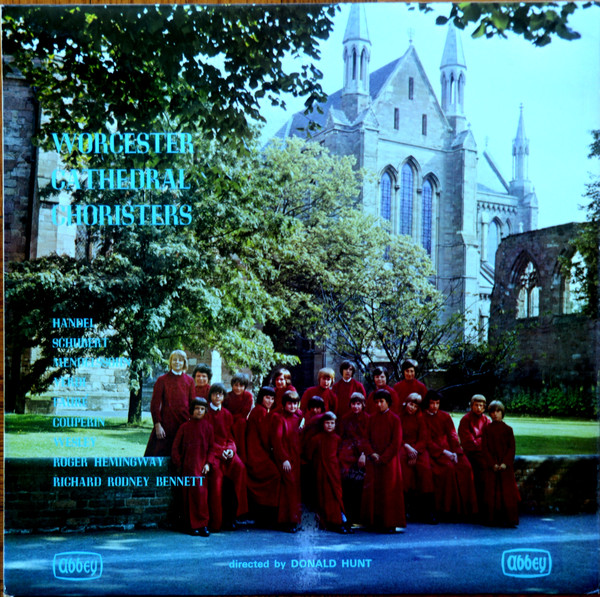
[
  {"x": 347, "y": 374},
  {"x": 478, "y": 407},
  {"x": 291, "y": 406},
  {"x": 280, "y": 381},
  {"x": 316, "y": 410},
  {"x": 325, "y": 382},
  {"x": 434, "y": 406},
  {"x": 496, "y": 415},
  {"x": 177, "y": 363},
  {"x": 411, "y": 408},
  {"x": 201, "y": 379},
  {"x": 217, "y": 398},
  {"x": 238, "y": 388},
  {"x": 380, "y": 380},
  {"x": 199, "y": 411},
  {"x": 409, "y": 373},
  {"x": 356, "y": 407},
  {"x": 329, "y": 426},
  {"x": 268, "y": 402},
  {"x": 381, "y": 404}
]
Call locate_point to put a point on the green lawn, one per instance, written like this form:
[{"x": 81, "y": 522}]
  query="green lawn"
[{"x": 33, "y": 436}]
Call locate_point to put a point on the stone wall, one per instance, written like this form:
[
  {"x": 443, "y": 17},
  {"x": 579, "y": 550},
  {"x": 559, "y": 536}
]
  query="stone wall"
[{"x": 557, "y": 484}]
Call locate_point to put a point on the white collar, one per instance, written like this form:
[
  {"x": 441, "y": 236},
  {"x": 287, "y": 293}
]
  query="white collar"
[
  {"x": 217, "y": 408},
  {"x": 177, "y": 373}
]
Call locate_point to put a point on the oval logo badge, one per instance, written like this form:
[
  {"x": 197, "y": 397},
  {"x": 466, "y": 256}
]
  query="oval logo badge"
[
  {"x": 77, "y": 565},
  {"x": 526, "y": 563}
]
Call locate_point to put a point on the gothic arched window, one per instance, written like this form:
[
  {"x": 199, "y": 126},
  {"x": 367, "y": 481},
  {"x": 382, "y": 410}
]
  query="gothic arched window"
[
  {"x": 573, "y": 298},
  {"x": 406, "y": 200},
  {"x": 354, "y": 65},
  {"x": 427, "y": 210},
  {"x": 386, "y": 197},
  {"x": 493, "y": 240},
  {"x": 528, "y": 297}
]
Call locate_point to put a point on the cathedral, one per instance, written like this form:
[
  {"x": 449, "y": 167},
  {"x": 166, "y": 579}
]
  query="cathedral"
[{"x": 430, "y": 181}]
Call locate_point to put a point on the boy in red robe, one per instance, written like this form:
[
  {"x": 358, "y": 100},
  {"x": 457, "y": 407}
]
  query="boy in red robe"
[
  {"x": 281, "y": 380},
  {"x": 239, "y": 403},
  {"x": 470, "y": 433},
  {"x": 226, "y": 463},
  {"x": 380, "y": 380},
  {"x": 323, "y": 389},
  {"x": 409, "y": 384},
  {"x": 345, "y": 387},
  {"x": 263, "y": 475},
  {"x": 416, "y": 466},
  {"x": 285, "y": 441},
  {"x": 323, "y": 453},
  {"x": 170, "y": 405},
  {"x": 202, "y": 375},
  {"x": 383, "y": 491},
  {"x": 353, "y": 433},
  {"x": 190, "y": 455},
  {"x": 501, "y": 495},
  {"x": 452, "y": 475}
]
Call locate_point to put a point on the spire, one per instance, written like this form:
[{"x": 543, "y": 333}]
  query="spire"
[
  {"x": 520, "y": 151},
  {"x": 357, "y": 54},
  {"x": 453, "y": 73}
]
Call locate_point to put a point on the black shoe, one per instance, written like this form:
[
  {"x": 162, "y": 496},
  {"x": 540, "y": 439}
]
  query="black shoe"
[
  {"x": 195, "y": 532},
  {"x": 203, "y": 532}
]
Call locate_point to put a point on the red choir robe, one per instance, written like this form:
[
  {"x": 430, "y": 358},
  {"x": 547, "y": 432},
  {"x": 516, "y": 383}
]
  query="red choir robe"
[
  {"x": 328, "y": 396},
  {"x": 470, "y": 433},
  {"x": 279, "y": 392},
  {"x": 383, "y": 491},
  {"x": 323, "y": 453},
  {"x": 372, "y": 407},
  {"x": 239, "y": 407},
  {"x": 343, "y": 390},
  {"x": 417, "y": 477},
  {"x": 263, "y": 475},
  {"x": 191, "y": 451},
  {"x": 284, "y": 437},
  {"x": 453, "y": 482},
  {"x": 501, "y": 494},
  {"x": 353, "y": 433},
  {"x": 202, "y": 392},
  {"x": 170, "y": 406},
  {"x": 233, "y": 468},
  {"x": 403, "y": 388}
]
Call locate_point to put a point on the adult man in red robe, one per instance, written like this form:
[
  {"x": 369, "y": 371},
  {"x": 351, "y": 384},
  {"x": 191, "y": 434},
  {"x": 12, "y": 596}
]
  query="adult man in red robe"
[
  {"x": 285, "y": 441},
  {"x": 190, "y": 455},
  {"x": 202, "y": 375},
  {"x": 452, "y": 474},
  {"x": 383, "y": 491},
  {"x": 470, "y": 433},
  {"x": 170, "y": 405},
  {"x": 345, "y": 387},
  {"x": 380, "y": 380},
  {"x": 239, "y": 403},
  {"x": 409, "y": 384},
  {"x": 323, "y": 389},
  {"x": 226, "y": 464}
]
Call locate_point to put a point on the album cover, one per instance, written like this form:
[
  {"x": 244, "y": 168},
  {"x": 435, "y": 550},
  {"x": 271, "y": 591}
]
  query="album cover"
[{"x": 301, "y": 298}]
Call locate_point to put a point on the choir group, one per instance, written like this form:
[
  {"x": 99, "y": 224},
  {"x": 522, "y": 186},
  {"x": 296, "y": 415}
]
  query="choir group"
[{"x": 356, "y": 460}]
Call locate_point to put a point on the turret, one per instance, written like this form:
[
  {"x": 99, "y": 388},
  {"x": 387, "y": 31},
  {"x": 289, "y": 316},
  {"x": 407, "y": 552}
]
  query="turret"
[{"x": 453, "y": 74}]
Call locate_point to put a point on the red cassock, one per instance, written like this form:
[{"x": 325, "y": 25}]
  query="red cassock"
[
  {"x": 202, "y": 392},
  {"x": 419, "y": 476},
  {"x": 190, "y": 452},
  {"x": 454, "y": 488},
  {"x": 501, "y": 494},
  {"x": 372, "y": 407},
  {"x": 263, "y": 475},
  {"x": 353, "y": 433},
  {"x": 323, "y": 453},
  {"x": 404, "y": 387},
  {"x": 279, "y": 392},
  {"x": 170, "y": 406},
  {"x": 328, "y": 396},
  {"x": 240, "y": 407},
  {"x": 233, "y": 468},
  {"x": 343, "y": 390},
  {"x": 383, "y": 491},
  {"x": 284, "y": 437},
  {"x": 470, "y": 433}
]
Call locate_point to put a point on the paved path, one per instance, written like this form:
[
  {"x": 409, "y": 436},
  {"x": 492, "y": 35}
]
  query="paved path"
[{"x": 447, "y": 558}]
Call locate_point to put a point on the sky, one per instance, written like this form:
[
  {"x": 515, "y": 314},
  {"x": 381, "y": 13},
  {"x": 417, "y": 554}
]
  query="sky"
[{"x": 558, "y": 85}]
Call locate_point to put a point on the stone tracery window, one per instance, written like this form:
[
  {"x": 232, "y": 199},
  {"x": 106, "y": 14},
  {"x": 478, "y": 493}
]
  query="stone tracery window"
[
  {"x": 426, "y": 220},
  {"x": 386, "y": 197},
  {"x": 573, "y": 300},
  {"x": 406, "y": 200},
  {"x": 528, "y": 298}
]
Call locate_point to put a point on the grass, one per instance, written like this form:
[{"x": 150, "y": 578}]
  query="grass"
[{"x": 33, "y": 436}]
